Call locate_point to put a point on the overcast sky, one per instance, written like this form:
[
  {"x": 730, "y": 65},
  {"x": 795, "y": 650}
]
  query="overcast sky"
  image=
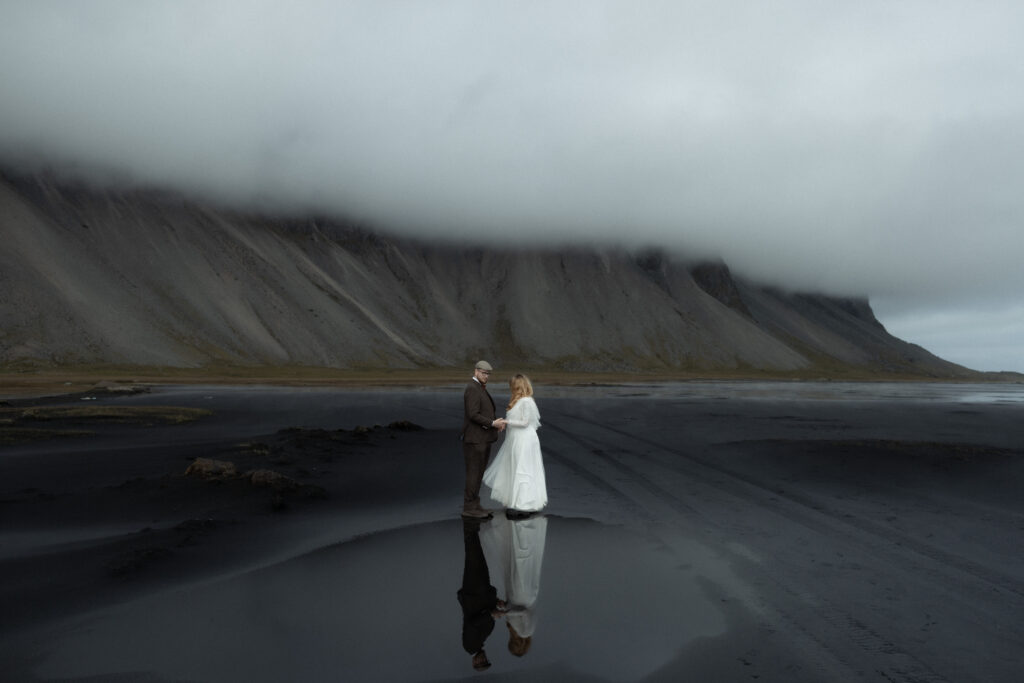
[{"x": 870, "y": 148}]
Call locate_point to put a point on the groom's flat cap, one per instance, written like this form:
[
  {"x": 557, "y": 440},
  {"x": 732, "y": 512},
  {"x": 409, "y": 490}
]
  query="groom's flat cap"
[{"x": 484, "y": 365}]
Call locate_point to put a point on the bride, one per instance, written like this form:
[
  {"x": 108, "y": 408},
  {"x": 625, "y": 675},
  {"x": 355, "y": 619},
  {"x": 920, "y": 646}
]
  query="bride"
[{"x": 516, "y": 476}]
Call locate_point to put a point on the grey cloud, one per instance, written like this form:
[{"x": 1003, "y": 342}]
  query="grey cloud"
[{"x": 859, "y": 148}]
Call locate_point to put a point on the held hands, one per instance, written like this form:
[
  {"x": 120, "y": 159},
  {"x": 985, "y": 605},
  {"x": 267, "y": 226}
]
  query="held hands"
[
  {"x": 499, "y": 610},
  {"x": 499, "y": 424}
]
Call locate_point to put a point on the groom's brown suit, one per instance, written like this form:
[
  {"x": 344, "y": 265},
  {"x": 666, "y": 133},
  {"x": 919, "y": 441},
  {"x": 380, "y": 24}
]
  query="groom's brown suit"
[{"x": 477, "y": 437}]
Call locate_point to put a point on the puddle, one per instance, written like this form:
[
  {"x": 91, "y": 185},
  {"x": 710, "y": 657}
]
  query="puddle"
[{"x": 596, "y": 603}]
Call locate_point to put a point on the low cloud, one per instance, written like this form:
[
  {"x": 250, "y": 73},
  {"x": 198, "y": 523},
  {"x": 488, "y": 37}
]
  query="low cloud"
[{"x": 869, "y": 148}]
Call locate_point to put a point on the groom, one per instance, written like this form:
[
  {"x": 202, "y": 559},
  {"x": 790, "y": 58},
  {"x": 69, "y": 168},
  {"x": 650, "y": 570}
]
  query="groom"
[
  {"x": 479, "y": 431},
  {"x": 479, "y": 599}
]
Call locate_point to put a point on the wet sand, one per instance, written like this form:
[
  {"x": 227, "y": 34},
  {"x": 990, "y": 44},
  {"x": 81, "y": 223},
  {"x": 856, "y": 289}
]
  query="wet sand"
[{"x": 698, "y": 531}]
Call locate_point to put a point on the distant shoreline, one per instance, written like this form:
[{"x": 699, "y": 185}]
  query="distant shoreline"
[{"x": 116, "y": 379}]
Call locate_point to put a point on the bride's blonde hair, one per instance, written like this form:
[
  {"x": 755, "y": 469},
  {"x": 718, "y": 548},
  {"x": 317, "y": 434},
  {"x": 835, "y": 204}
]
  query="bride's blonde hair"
[
  {"x": 517, "y": 644},
  {"x": 520, "y": 386}
]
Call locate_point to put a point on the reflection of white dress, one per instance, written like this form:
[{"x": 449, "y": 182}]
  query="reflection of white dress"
[
  {"x": 516, "y": 476},
  {"x": 517, "y": 547}
]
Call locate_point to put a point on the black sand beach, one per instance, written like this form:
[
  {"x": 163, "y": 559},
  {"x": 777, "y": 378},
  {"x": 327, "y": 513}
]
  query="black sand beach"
[{"x": 715, "y": 531}]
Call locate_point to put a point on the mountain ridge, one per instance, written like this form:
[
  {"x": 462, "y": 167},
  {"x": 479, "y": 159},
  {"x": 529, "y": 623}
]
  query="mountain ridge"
[{"x": 156, "y": 279}]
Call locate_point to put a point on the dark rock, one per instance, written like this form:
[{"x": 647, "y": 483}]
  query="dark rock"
[
  {"x": 205, "y": 468},
  {"x": 716, "y": 280},
  {"x": 272, "y": 479},
  {"x": 405, "y": 426}
]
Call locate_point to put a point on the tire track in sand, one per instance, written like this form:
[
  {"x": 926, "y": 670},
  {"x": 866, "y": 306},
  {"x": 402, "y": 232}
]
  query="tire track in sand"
[{"x": 810, "y": 616}]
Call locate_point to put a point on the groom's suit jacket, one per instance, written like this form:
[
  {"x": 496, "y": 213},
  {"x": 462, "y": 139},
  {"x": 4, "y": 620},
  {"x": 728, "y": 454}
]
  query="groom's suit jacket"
[{"x": 479, "y": 414}]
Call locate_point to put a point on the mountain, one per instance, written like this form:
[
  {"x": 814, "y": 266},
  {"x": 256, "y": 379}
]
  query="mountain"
[{"x": 148, "y": 278}]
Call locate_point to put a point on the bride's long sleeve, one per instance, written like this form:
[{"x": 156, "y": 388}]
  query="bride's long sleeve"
[
  {"x": 512, "y": 422},
  {"x": 524, "y": 414}
]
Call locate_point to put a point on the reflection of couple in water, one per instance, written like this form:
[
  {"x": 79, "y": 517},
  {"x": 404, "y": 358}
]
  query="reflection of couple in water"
[{"x": 516, "y": 548}]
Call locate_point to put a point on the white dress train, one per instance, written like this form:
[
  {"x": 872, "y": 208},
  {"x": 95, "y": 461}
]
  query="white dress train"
[{"x": 516, "y": 475}]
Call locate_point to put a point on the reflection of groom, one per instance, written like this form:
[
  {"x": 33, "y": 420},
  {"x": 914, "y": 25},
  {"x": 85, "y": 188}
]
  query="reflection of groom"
[
  {"x": 479, "y": 599},
  {"x": 479, "y": 431}
]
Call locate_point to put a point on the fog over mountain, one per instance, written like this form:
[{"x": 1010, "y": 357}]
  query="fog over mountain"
[{"x": 870, "y": 149}]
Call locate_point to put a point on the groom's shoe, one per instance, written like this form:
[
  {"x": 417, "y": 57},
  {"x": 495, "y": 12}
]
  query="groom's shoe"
[{"x": 477, "y": 514}]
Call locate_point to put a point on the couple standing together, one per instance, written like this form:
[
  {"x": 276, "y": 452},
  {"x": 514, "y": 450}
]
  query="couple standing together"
[{"x": 516, "y": 477}]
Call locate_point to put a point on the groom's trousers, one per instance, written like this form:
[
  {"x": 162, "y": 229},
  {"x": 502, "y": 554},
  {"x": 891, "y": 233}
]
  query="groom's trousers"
[{"x": 477, "y": 455}]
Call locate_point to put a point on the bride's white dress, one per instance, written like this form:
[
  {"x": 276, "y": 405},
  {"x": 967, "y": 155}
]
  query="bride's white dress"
[
  {"x": 516, "y": 549},
  {"x": 516, "y": 476}
]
